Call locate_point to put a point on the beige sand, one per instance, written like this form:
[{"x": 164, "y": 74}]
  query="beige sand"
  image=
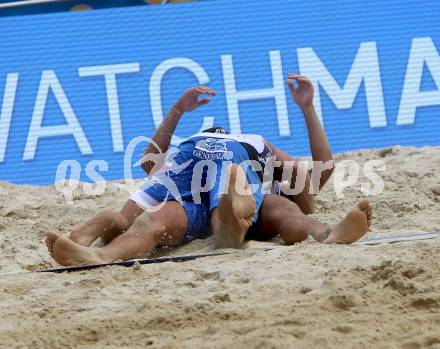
[{"x": 304, "y": 296}]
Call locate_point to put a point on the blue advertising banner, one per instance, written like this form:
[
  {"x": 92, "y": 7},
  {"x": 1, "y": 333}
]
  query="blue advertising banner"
[{"x": 81, "y": 86}]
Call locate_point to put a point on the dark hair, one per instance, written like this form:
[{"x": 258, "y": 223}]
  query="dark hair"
[{"x": 215, "y": 130}]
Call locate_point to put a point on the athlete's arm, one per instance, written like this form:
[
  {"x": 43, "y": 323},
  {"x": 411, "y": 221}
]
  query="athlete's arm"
[
  {"x": 319, "y": 146},
  {"x": 290, "y": 165},
  {"x": 155, "y": 153}
]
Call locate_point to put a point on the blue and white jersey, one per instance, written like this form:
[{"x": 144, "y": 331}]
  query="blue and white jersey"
[
  {"x": 195, "y": 172},
  {"x": 212, "y": 146}
]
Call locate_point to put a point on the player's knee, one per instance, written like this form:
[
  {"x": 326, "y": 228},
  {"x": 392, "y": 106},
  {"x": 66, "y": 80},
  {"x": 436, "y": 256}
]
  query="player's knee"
[
  {"x": 115, "y": 219},
  {"x": 162, "y": 232},
  {"x": 310, "y": 209},
  {"x": 140, "y": 224},
  {"x": 294, "y": 235},
  {"x": 108, "y": 214},
  {"x": 283, "y": 208}
]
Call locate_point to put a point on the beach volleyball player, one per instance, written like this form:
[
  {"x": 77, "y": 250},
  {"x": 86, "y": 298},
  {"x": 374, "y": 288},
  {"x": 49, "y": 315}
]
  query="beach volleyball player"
[{"x": 205, "y": 189}]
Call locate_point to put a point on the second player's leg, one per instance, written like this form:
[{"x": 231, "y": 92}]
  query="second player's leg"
[
  {"x": 140, "y": 239},
  {"x": 106, "y": 225},
  {"x": 149, "y": 231},
  {"x": 280, "y": 216}
]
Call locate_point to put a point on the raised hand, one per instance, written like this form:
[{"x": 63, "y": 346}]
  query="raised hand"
[
  {"x": 303, "y": 93},
  {"x": 189, "y": 101}
]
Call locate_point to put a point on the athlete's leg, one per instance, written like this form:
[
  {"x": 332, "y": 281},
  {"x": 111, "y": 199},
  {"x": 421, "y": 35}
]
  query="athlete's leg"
[
  {"x": 140, "y": 239},
  {"x": 130, "y": 211},
  {"x": 280, "y": 216},
  {"x": 355, "y": 225},
  {"x": 107, "y": 224},
  {"x": 231, "y": 219}
]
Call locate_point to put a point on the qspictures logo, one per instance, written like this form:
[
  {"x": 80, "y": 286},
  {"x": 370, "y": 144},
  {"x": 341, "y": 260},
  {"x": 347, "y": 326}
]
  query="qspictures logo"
[{"x": 211, "y": 157}]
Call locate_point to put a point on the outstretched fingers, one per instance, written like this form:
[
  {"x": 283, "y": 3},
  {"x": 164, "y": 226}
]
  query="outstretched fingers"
[
  {"x": 299, "y": 78},
  {"x": 296, "y": 76},
  {"x": 204, "y": 101},
  {"x": 205, "y": 90},
  {"x": 290, "y": 85}
]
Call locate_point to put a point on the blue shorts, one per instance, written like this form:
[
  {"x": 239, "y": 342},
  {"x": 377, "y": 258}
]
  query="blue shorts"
[
  {"x": 199, "y": 223},
  {"x": 197, "y": 214},
  {"x": 196, "y": 179}
]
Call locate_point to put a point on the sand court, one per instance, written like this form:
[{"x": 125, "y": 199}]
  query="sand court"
[{"x": 305, "y": 295}]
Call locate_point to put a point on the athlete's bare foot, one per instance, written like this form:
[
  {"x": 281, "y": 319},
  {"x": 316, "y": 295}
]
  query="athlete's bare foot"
[
  {"x": 235, "y": 211},
  {"x": 353, "y": 226},
  {"x": 66, "y": 252},
  {"x": 106, "y": 224}
]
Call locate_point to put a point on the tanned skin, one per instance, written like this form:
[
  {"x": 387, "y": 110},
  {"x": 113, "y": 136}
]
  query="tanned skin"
[
  {"x": 130, "y": 234},
  {"x": 154, "y": 158},
  {"x": 314, "y": 181}
]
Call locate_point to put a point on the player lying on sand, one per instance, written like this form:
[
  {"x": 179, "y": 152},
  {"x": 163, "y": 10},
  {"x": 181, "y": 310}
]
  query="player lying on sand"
[{"x": 229, "y": 210}]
